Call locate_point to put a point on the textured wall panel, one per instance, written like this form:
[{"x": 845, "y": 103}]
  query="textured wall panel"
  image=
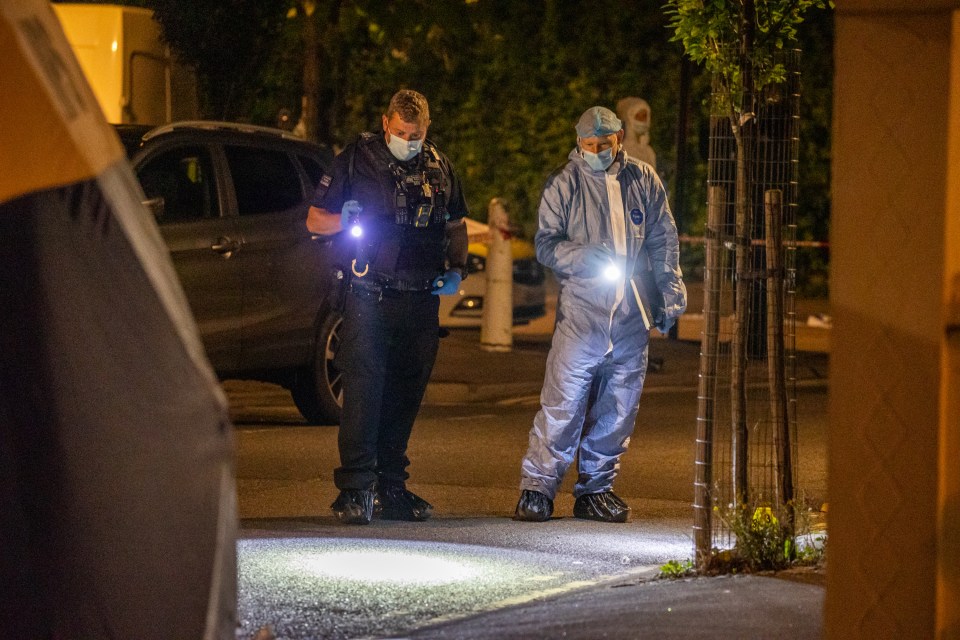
[
  {"x": 889, "y": 173},
  {"x": 948, "y": 594}
]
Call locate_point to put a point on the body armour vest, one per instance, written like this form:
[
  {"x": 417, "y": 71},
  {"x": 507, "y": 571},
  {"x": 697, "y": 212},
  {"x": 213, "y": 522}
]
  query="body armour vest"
[{"x": 404, "y": 212}]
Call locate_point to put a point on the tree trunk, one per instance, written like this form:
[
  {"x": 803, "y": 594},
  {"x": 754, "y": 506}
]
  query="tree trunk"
[
  {"x": 311, "y": 71},
  {"x": 707, "y": 390},
  {"x": 741, "y": 323},
  {"x": 743, "y": 123},
  {"x": 773, "y": 208}
]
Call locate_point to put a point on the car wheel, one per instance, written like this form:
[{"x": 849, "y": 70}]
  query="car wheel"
[{"x": 318, "y": 390}]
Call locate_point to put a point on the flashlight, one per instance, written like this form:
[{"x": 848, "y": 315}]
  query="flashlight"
[
  {"x": 351, "y": 210},
  {"x": 353, "y": 223},
  {"x": 351, "y": 218},
  {"x": 611, "y": 272},
  {"x": 356, "y": 232}
]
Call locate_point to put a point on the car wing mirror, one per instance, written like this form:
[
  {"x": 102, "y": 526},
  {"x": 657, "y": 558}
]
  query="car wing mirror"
[{"x": 155, "y": 206}]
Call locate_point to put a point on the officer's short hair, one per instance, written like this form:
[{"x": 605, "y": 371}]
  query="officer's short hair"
[{"x": 411, "y": 105}]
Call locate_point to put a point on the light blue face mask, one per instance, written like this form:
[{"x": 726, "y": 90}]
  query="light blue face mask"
[
  {"x": 404, "y": 149},
  {"x": 599, "y": 161}
]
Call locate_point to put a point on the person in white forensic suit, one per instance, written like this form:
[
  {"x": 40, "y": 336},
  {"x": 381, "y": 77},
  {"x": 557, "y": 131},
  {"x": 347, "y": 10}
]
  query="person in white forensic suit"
[{"x": 606, "y": 231}]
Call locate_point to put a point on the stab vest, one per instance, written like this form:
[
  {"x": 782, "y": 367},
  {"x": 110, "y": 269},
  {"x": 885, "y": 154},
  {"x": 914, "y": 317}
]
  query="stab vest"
[{"x": 405, "y": 239}]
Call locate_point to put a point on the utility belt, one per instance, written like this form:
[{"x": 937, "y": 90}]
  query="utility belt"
[{"x": 380, "y": 284}]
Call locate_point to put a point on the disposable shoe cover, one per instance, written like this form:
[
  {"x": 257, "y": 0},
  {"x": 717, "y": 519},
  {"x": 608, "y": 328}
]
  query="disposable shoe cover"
[
  {"x": 605, "y": 507},
  {"x": 354, "y": 506},
  {"x": 533, "y": 507},
  {"x": 396, "y": 503}
]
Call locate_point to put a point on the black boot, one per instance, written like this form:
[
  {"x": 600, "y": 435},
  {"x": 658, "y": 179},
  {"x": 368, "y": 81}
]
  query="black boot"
[
  {"x": 394, "y": 502},
  {"x": 533, "y": 507},
  {"x": 605, "y": 507},
  {"x": 354, "y": 506}
]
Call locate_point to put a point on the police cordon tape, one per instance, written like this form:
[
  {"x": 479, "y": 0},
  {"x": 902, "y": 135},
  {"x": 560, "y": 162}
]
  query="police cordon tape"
[
  {"x": 483, "y": 237},
  {"x": 806, "y": 244}
]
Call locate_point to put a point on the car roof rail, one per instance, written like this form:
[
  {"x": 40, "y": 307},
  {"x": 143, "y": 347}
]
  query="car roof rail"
[{"x": 215, "y": 125}]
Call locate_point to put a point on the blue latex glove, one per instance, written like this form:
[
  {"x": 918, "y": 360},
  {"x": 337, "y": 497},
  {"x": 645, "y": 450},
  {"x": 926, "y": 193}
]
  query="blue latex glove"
[
  {"x": 447, "y": 284},
  {"x": 350, "y": 209},
  {"x": 663, "y": 323}
]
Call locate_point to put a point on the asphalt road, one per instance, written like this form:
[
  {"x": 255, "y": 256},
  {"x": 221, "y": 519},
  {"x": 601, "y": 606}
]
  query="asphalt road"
[
  {"x": 465, "y": 463},
  {"x": 398, "y": 578}
]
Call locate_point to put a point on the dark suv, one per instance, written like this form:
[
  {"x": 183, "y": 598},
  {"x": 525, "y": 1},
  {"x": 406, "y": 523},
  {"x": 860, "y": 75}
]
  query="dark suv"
[{"x": 231, "y": 203}]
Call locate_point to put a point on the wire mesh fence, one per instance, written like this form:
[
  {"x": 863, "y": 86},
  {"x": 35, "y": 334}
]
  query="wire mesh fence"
[{"x": 747, "y": 417}]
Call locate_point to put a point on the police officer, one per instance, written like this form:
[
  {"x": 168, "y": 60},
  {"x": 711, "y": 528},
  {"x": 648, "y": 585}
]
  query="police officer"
[{"x": 403, "y": 202}]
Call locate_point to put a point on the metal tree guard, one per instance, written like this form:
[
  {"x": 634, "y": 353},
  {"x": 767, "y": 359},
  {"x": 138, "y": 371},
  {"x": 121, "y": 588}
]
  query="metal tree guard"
[{"x": 748, "y": 337}]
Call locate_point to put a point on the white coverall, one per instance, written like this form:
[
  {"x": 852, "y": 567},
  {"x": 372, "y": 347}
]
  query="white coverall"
[{"x": 598, "y": 357}]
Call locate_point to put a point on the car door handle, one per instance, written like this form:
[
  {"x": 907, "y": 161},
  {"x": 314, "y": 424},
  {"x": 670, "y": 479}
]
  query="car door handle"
[{"x": 225, "y": 246}]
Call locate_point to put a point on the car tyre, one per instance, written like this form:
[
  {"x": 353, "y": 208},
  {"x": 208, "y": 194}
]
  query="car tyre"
[{"x": 317, "y": 391}]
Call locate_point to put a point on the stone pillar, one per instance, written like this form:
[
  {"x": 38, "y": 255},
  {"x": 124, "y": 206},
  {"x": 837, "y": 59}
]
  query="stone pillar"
[
  {"x": 948, "y": 538},
  {"x": 888, "y": 384}
]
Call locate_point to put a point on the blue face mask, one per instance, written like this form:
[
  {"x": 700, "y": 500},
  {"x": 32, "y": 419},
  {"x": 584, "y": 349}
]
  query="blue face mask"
[
  {"x": 404, "y": 149},
  {"x": 599, "y": 161}
]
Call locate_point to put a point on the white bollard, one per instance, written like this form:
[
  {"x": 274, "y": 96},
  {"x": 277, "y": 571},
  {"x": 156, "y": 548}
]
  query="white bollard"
[{"x": 496, "y": 327}]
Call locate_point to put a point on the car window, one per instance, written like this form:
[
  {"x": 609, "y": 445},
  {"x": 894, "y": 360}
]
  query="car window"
[
  {"x": 183, "y": 178},
  {"x": 313, "y": 169},
  {"x": 265, "y": 180}
]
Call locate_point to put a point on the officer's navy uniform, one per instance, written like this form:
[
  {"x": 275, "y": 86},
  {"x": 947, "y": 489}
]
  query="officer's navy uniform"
[{"x": 390, "y": 330}]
